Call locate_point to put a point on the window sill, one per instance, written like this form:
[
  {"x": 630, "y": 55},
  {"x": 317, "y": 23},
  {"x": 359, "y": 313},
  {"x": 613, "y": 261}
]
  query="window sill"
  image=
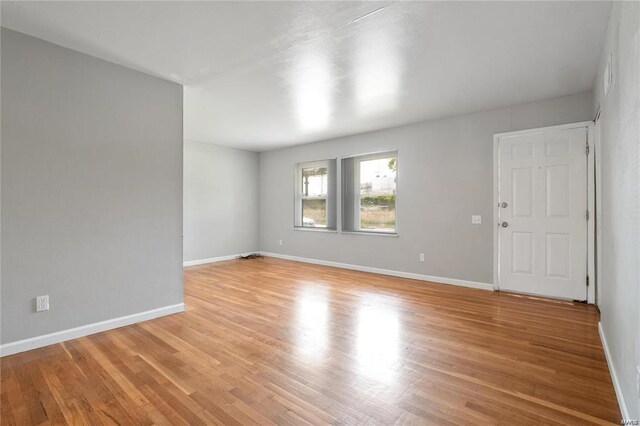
[
  {"x": 310, "y": 229},
  {"x": 378, "y": 234}
]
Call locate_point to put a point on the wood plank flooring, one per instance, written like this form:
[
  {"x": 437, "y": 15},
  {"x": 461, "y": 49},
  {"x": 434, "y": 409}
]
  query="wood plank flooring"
[{"x": 270, "y": 341}]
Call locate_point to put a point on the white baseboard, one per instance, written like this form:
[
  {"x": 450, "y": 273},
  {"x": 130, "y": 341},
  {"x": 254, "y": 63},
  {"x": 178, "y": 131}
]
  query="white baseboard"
[
  {"x": 614, "y": 375},
  {"x": 85, "y": 330},
  {"x": 401, "y": 274},
  {"x": 214, "y": 259}
]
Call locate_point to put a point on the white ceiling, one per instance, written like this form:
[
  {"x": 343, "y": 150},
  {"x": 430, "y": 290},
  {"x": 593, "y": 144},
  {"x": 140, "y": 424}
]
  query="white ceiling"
[{"x": 261, "y": 75}]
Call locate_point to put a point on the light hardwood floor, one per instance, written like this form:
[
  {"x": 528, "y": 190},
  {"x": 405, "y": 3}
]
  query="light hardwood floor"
[{"x": 273, "y": 341}]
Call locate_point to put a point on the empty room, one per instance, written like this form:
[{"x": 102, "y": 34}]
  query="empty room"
[{"x": 319, "y": 212}]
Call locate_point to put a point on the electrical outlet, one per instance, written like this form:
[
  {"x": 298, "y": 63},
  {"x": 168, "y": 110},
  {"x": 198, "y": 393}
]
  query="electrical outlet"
[
  {"x": 476, "y": 219},
  {"x": 42, "y": 303},
  {"x": 421, "y": 257},
  {"x": 279, "y": 242}
]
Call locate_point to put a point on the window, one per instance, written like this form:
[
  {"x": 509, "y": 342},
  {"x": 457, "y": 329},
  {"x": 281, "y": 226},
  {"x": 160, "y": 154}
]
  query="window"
[
  {"x": 315, "y": 195},
  {"x": 369, "y": 186}
]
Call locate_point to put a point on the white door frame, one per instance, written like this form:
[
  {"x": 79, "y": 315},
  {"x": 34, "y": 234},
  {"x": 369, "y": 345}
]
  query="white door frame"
[
  {"x": 590, "y": 267},
  {"x": 597, "y": 142}
]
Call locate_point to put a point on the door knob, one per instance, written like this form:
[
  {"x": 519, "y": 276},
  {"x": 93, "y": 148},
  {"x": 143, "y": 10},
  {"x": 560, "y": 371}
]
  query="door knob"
[
  {"x": 504, "y": 205},
  {"x": 504, "y": 224}
]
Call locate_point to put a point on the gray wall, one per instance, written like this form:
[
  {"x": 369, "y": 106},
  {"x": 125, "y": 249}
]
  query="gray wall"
[
  {"x": 91, "y": 189},
  {"x": 620, "y": 243},
  {"x": 220, "y": 201},
  {"x": 445, "y": 175}
]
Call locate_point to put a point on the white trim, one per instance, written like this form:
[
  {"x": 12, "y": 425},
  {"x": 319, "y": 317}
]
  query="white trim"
[
  {"x": 377, "y": 233},
  {"x": 577, "y": 125},
  {"x": 591, "y": 208},
  {"x": 590, "y": 198},
  {"x": 315, "y": 229},
  {"x": 401, "y": 274},
  {"x": 214, "y": 259},
  {"x": 614, "y": 375},
  {"x": 496, "y": 212},
  {"x": 369, "y": 154},
  {"x": 597, "y": 213},
  {"x": 85, "y": 330}
]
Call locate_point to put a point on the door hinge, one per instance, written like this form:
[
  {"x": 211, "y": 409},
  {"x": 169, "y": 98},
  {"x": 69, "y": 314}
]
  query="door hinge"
[
  {"x": 587, "y": 149},
  {"x": 587, "y": 280},
  {"x": 587, "y": 215}
]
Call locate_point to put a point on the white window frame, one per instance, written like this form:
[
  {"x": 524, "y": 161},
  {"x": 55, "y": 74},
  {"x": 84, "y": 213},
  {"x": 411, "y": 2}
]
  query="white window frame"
[
  {"x": 299, "y": 195},
  {"x": 357, "y": 198}
]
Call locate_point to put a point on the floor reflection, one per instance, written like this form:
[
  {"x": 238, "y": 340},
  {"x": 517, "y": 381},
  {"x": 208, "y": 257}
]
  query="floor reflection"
[
  {"x": 312, "y": 321},
  {"x": 378, "y": 338}
]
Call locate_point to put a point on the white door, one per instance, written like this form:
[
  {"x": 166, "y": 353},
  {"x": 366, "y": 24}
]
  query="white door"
[{"x": 542, "y": 192}]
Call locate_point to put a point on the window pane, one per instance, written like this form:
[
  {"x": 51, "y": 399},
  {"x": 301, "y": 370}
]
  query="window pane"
[
  {"x": 378, "y": 194},
  {"x": 314, "y": 213},
  {"x": 314, "y": 182}
]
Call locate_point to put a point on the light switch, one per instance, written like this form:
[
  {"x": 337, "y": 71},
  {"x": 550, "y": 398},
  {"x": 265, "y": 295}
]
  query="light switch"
[{"x": 476, "y": 219}]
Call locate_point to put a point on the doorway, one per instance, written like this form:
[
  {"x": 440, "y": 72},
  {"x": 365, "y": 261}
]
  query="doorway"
[{"x": 542, "y": 211}]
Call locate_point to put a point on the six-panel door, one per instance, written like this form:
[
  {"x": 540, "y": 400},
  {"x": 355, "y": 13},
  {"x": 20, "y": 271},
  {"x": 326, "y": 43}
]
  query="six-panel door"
[{"x": 543, "y": 204}]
